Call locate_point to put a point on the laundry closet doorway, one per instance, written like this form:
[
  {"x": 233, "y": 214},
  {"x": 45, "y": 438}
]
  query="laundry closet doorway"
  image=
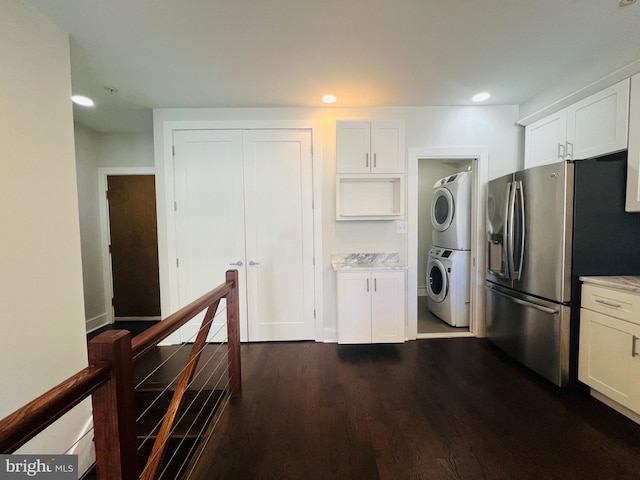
[
  {"x": 244, "y": 200},
  {"x": 453, "y": 159}
]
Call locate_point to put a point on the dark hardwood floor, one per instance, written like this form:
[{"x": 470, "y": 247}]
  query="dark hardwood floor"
[{"x": 427, "y": 409}]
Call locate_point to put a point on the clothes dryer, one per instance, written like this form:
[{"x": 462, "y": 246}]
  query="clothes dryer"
[
  {"x": 448, "y": 285},
  {"x": 451, "y": 212}
]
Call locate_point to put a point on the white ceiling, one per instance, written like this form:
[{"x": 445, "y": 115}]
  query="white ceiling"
[{"x": 288, "y": 53}]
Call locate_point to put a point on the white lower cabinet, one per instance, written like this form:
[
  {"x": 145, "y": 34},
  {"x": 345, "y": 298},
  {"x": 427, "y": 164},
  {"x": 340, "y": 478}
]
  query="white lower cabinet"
[
  {"x": 609, "y": 355},
  {"x": 371, "y": 306}
]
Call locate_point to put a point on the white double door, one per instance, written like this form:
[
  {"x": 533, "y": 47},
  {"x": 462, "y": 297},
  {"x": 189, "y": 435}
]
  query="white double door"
[{"x": 244, "y": 200}]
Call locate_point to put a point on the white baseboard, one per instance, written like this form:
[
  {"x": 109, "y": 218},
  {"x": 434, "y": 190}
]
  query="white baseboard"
[
  {"x": 135, "y": 319},
  {"x": 330, "y": 335},
  {"x": 96, "y": 322},
  {"x": 630, "y": 414},
  {"x": 84, "y": 448},
  {"x": 422, "y": 291}
]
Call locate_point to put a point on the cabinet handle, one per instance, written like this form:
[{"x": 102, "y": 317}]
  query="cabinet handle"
[
  {"x": 375, "y": 284},
  {"x": 612, "y": 305},
  {"x": 367, "y": 284},
  {"x": 366, "y": 160},
  {"x": 561, "y": 151},
  {"x": 634, "y": 353},
  {"x": 569, "y": 150},
  {"x": 375, "y": 160}
]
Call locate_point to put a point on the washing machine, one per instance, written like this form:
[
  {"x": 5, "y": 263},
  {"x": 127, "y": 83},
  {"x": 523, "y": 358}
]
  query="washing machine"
[
  {"x": 451, "y": 212},
  {"x": 448, "y": 285}
]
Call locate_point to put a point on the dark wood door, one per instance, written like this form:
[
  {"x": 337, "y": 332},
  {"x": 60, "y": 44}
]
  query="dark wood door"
[{"x": 134, "y": 245}]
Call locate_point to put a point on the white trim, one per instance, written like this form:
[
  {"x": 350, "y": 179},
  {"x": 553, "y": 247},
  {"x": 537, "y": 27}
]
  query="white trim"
[
  {"x": 84, "y": 448},
  {"x": 96, "y": 322},
  {"x": 609, "y": 402},
  {"x": 464, "y": 334},
  {"x": 163, "y": 143},
  {"x": 601, "y": 83},
  {"x": 105, "y": 234},
  {"x": 480, "y": 156}
]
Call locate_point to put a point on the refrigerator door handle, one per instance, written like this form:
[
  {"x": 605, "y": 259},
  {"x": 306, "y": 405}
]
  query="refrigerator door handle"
[
  {"x": 505, "y": 241},
  {"x": 520, "y": 191},
  {"x": 535, "y": 306},
  {"x": 510, "y": 229}
]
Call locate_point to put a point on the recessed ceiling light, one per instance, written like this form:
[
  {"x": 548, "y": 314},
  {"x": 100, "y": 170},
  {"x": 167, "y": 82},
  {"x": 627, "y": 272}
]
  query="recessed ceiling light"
[
  {"x": 329, "y": 98},
  {"x": 481, "y": 97},
  {"x": 82, "y": 100}
]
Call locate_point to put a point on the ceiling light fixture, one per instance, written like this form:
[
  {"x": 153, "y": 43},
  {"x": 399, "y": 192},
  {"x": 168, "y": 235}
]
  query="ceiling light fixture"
[
  {"x": 625, "y": 3},
  {"x": 481, "y": 97},
  {"x": 82, "y": 100},
  {"x": 329, "y": 98}
]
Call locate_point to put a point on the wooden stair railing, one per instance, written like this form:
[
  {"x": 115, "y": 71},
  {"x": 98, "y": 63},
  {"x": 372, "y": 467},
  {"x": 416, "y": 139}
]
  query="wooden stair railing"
[{"x": 109, "y": 379}]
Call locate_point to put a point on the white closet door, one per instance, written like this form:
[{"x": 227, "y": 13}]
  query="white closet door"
[
  {"x": 279, "y": 232},
  {"x": 209, "y": 219}
]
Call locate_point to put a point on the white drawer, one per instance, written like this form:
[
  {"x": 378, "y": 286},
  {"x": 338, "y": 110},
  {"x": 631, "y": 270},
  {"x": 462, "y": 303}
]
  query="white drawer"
[{"x": 616, "y": 303}]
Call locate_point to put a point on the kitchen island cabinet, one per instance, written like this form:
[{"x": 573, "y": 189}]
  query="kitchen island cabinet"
[{"x": 609, "y": 354}]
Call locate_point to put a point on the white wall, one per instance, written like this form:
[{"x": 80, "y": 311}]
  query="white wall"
[
  {"x": 96, "y": 150},
  {"x": 126, "y": 150},
  {"x": 41, "y": 304},
  {"x": 493, "y": 127},
  {"x": 87, "y": 144}
]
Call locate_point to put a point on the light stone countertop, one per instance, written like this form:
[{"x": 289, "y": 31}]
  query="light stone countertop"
[
  {"x": 627, "y": 283},
  {"x": 366, "y": 261}
]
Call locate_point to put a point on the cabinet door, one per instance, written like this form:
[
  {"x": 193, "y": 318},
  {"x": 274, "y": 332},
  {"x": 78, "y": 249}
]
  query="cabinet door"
[
  {"x": 598, "y": 124},
  {"x": 387, "y": 147},
  {"x": 354, "y": 307},
  {"x": 633, "y": 165},
  {"x": 608, "y": 357},
  {"x": 545, "y": 140},
  {"x": 353, "y": 142},
  {"x": 387, "y": 307}
]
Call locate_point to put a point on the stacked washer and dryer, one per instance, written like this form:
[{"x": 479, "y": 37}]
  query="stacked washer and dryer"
[{"x": 448, "y": 261}]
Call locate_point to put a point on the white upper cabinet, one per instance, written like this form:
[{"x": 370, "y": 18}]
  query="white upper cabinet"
[
  {"x": 599, "y": 124},
  {"x": 370, "y": 147},
  {"x": 595, "y": 126},
  {"x": 633, "y": 160},
  {"x": 545, "y": 140}
]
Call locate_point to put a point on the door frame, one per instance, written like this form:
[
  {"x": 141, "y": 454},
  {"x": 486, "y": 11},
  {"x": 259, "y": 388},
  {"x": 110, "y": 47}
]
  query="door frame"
[
  {"x": 105, "y": 233},
  {"x": 480, "y": 159},
  {"x": 165, "y": 200}
]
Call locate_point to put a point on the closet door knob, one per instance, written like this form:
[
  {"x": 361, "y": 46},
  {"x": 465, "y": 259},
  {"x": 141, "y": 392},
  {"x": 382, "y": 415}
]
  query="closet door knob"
[
  {"x": 237, "y": 264},
  {"x": 252, "y": 263}
]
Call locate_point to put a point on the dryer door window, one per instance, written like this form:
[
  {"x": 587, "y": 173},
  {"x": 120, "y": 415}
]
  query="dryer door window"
[
  {"x": 437, "y": 280},
  {"x": 442, "y": 209}
]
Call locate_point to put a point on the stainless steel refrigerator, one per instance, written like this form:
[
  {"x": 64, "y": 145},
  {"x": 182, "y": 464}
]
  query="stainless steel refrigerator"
[{"x": 547, "y": 226}]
